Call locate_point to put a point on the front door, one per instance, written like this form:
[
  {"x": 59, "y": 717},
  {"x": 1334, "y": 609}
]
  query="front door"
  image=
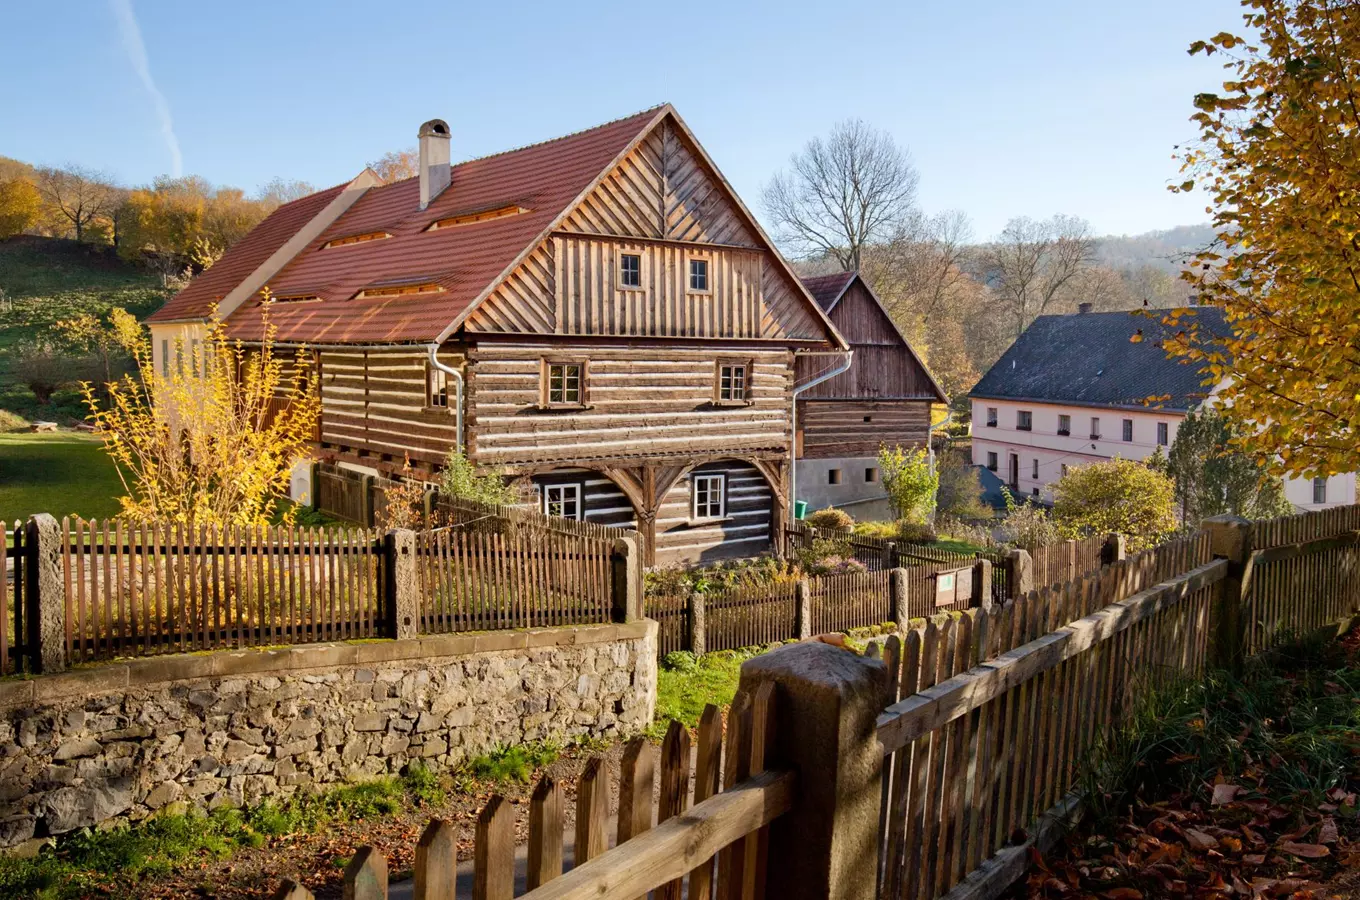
[{"x": 1015, "y": 473}]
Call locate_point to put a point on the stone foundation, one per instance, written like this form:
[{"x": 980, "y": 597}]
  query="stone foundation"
[{"x": 237, "y": 727}]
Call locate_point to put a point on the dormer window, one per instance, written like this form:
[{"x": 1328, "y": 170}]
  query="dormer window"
[
  {"x": 698, "y": 275},
  {"x": 630, "y": 270},
  {"x": 475, "y": 216},
  {"x": 356, "y": 239}
]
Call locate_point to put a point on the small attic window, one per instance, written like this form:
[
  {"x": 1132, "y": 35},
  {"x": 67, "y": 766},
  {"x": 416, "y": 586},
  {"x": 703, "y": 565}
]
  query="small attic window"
[
  {"x": 295, "y": 298},
  {"x": 400, "y": 290},
  {"x": 356, "y": 239},
  {"x": 472, "y": 218}
]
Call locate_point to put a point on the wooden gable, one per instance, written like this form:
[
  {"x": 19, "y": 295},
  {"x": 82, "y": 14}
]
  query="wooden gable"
[{"x": 665, "y": 204}]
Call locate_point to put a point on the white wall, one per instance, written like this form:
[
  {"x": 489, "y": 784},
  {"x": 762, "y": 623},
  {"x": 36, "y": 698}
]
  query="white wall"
[
  {"x": 1340, "y": 490},
  {"x": 177, "y": 341}
]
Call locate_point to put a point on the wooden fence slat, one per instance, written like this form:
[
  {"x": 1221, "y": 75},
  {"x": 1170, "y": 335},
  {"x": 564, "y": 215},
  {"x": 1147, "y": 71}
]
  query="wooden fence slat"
[
  {"x": 674, "y": 789},
  {"x": 494, "y": 857},
  {"x": 436, "y": 872},
  {"x": 545, "y": 833},
  {"x": 707, "y": 771},
  {"x": 592, "y": 810},
  {"x": 366, "y": 876}
]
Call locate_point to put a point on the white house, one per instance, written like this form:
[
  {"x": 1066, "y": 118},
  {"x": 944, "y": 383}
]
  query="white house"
[{"x": 1075, "y": 389}]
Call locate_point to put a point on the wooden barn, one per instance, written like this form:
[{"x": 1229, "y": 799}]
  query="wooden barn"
[
  {"x": 883, "y": 398},
  {"x": 597, "y": 315}
]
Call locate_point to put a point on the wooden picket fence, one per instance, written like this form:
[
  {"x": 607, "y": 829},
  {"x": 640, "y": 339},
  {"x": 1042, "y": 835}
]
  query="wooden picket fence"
[
  {"x": 13, "y": 634},
  {"x": 713, "y": 849},
  {"x": 513, "y": 575},
  {"x": 1066, "y": 561},
  {"x": 855, "y": 600},
  {"x": 747, "y": 615},
  {"x": 138, "y": 590}
]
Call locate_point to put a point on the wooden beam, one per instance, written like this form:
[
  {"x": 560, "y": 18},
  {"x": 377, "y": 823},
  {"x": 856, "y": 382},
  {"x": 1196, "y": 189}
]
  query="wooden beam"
[
  {"x": 924, "y": 712},
  {"x": 1290, "y": 551},
  {"x": 677, "y": 845}
]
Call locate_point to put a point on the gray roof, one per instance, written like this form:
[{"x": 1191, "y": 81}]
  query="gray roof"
[{"x": 1088, "y": 359}]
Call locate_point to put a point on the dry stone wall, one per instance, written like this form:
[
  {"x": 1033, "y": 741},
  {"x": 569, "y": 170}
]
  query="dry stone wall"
[{"x": 85, "y": 747}]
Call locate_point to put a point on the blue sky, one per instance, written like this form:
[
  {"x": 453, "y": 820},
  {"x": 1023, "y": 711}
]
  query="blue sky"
[{"x": 1008, "y": 108}]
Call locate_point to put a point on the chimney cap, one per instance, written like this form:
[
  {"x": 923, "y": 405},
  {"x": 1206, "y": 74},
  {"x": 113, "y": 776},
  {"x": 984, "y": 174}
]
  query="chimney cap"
[
  {"x": 1084, "y": 308},
  {"x": 434, "y": 128}
]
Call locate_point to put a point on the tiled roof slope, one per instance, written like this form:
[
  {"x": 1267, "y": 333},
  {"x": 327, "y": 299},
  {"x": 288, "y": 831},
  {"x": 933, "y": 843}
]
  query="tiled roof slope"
[
  {"x": 1088, "y": 359},
  {"x": 197, "y": 300},
  {"x": 827, "y": 289},
  {"x": 464, "y": 261}
]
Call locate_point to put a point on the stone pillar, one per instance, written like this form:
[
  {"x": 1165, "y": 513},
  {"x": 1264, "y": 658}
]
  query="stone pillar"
[
  {"x": 826, "y": 702},
  {"x": 803, "y": 609},
  {"x": 698, "y": 625},
  {"x": 1022, "y": 572},
  {"x": 1230, "y": 539},
  {"x": 45, "y": 593},
  {"x": 897, "y": 583},
  {"x": 1115, "y": 549},
  {"x": 402, "y": 585},
  {"x": 627, "y": 581},
  {"x": 982, "y": 584}
]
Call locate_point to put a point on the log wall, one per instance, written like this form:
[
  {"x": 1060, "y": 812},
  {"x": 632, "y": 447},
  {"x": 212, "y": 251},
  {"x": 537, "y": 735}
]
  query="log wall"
[{"x": 830, "y": 429}]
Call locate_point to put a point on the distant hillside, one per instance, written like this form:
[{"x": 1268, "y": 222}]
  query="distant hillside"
[{"x": 1164, "y": 250}]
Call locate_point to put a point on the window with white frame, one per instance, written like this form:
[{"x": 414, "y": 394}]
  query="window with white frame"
[
  {"x": 437, "y": 387},
  {"x": 1024, "y": 420},
  {"x": 1128, "y": 429},
  {"x": 1320, "y": 489},
  {"x": 630, "y": 270},
  {"x": 1095, "y": 428},
  {"x": 991, "y": 417},
  {"x": 1034, "y": 470},
  {"x": 165, "y": 358},
  {"x": 566, "y": 383},
  {"x": 1064, "y": 424},
  {"x": 732, "y": 382},
  {"x": 1163, "y": 434},
  {"x": 708, "y": 495},
  {"x": 698, "y": 274},
  {"x": 562, "y": 500}
]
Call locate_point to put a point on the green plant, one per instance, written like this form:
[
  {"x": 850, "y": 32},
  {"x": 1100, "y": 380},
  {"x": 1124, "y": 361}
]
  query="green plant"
[
  {"x": 910, "y": 481},
  {"x": 828, "y": 556},
  {"x": 11, "y": 422},
  {"x": 423, "y": 783},
  {"x": 515, "y": 763},
  {"x": 680, "y": 661},
  {"x": 1029, "y": 524},
  {"x": 960, "y": 492},
  {"x": 914, "y": 532},
  {"x": 831, "y": 519},
  {"x": 1119, "y": 496},
  {"x": 1214, "y": 476},
  {"x": 464, "y": 481}
]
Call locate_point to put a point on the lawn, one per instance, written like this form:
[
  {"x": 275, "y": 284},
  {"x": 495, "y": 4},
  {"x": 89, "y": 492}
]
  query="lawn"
[{"x": 61, "y": 473}]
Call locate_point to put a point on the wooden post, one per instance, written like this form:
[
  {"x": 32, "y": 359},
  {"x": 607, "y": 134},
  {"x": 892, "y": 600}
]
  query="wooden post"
[
  {"x": 291, "y": 890},
  {"x": 1114, "y": 550},
  {"x": 366, "y": 876},
  {"x": 897, "y": 583},
  {"x": 698, "y": 624},
  {"x": 400, "y": 584},
  {"x": 627, "y": 581},
  {"x": 1230, "y": 539},
  {"x": 493, "y": 862},
  {"x": 315, "y": 497},
  {"x": 803, "y": 609},
  {"x": 45, "y": 594},
  {"x": 982, "y": 585},
  {"x": 366, "y": 501},
  {"x": 827, "y": 702},
  {"x": 890, "y": 555},
  {"x": 436, "y": 862},
  {"x": 1021, "y": 571}
]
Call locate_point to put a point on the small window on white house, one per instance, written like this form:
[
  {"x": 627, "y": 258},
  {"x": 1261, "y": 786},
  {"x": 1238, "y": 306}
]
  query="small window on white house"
[
  {"x": 1024, "y": 420},
  {"x": 698, "y": 274},
  {"x": 193, "y": 357},
  {"x": 708, "y": 495},
  {"x": 1128, "y": 429},
  {"x": 1064, "y": 470},
  {"x": 991, "y": 461},
  {"x": 1163, "y": 434},
  {"x": 1320, "y": 489},
  {"x": 437, "y": 384},
  {"x": 1064, "y": 424},
  {"x": 731, "y": 382},
  {"x": 991, "y": 417},
  {"x": 1034, "y": 470},
  {"x": 562, "y": 500},
  {"x": 1034, "y": 492},
  {"x": 1095, "y": 428},
  {"x": 630, "y": 270},
  {"x": 179, "y": 357}
]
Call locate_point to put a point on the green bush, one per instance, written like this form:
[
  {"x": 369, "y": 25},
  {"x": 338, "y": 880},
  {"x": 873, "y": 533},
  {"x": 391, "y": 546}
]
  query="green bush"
[
  {"x": 915, "y": 532},
  {"x": 909, "y": 481},
  {"x": 680, "y": 661},
  {"x": 831, "y": 519}
]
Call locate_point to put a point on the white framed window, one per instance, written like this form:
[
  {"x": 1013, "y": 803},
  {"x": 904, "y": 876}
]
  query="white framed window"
[
  {"x": 562, "y": 500},
  {"x": 565, "y": 383},
  {"x": 1163, "y": 434},
  {"x": 732, "y": 382},
  {"x": 1024, "y": 420},
  {"x": 708, "y": 495},
  {"x": 1095, "y": 428},
  {"x": 1064, "y": 424},
  {"x": 437, "y": 387},
  {"x": 991, "y": 417},
  {"x": 1128, "y": 430},
  {"x": 1320, "y": 489},
  {"x": 1034, "y": 471},
  {"x": 630, "y": 270},
  {"x": 698, "y": 275}
]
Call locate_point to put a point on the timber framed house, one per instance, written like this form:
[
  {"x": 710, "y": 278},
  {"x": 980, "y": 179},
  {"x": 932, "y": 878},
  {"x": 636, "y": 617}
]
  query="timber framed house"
[{"x": 597, "y": 315}]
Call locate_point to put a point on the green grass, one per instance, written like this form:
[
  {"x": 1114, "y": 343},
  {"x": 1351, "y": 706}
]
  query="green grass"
[
  {"x": 514, "y": 764},
  {"x": 57, "y": 473},
  {"x": 684, "y": 685},
  {"x": 955, "y": 545},
  {"x": 114, "y": 862}
]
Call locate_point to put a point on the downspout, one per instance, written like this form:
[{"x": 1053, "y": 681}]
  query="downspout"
[
  {"x": 793, "y": 470},
  {"x": 458, "y": 399}
]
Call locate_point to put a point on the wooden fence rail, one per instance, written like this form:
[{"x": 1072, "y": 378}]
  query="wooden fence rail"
[{"x": 714, "y": 849}]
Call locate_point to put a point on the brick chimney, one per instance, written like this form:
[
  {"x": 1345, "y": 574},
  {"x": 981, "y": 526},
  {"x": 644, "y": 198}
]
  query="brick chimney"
[
  {"x": 435, "y": 171},
  {"x": 1082, "y": 308}
]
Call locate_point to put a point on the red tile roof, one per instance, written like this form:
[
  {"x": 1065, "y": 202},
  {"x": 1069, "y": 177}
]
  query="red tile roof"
[
  {"x": 827, "y": 289},
  {"x": 203, "y": 293},
  {"x": 464, "y": 260}
]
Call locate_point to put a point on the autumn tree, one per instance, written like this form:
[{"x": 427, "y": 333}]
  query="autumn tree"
[
  {"x": 1118, "y": 496},
  {"x": 213, "y": 441},
  {"x": 1214, "y": 477},
  {"x": 79, "y": 196},
  {"x": 1032, "y": 262},
  {"x": 279, "y": 191},
  {"x": 911, "y": 482},
  {"x": 20, "y": 206},
  {"x": 840, "y": 194},
  {"x": 1279, "y": 156},
  {"x": 396, "y": 165}
]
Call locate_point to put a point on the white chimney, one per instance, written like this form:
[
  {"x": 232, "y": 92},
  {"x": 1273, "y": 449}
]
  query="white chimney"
[{"x": 435, "y": 171}]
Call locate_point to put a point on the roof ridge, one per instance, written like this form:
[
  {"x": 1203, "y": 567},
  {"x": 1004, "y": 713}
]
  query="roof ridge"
[{"x": 561, "y": 137}]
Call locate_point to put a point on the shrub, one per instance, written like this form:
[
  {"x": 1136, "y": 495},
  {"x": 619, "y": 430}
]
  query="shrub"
[
  {"x": 42, "y": 367},
  {"x": 828, "y": 556},
  {"x": 885, "y": 530},
  {"x": 1120, "y": 496},
  {"x": 12, "y": 422},
  {"x": 464, "y": 481},
  {"x": 680, "y": 661},
  {"x": 960, "y": 493},
  {"x": 1029, "y": 524},
  {"x": 915, "y": 532},
  {"x": 909, "y": 481},
  {"x": 831, "y": 519},
  {"x": 966, "y": 532}
]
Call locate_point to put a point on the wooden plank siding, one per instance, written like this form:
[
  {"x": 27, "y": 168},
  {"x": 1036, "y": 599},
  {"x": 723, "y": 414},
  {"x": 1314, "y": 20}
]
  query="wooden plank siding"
[
  {"x": 833, "y": 429},
  {"x": 639, "y": 403},
  {"x": 373, "y": 402},
  {"x": 745, "y": 531}
]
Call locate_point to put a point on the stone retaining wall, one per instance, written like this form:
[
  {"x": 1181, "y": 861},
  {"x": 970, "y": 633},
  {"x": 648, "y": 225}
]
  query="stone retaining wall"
[{"x": 125, "y": 740}]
